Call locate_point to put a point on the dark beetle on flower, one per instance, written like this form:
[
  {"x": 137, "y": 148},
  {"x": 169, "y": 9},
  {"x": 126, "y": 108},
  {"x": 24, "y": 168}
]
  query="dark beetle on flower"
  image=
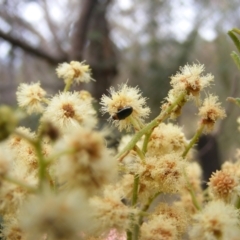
[{"x": 123, "y": 113}]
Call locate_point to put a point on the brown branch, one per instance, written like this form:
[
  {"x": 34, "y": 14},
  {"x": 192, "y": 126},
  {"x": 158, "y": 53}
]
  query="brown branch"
[
  {"x": 32, "y": 50},
  {"x": 81, "y": 28},
  {"x": 19, "y": 23}
]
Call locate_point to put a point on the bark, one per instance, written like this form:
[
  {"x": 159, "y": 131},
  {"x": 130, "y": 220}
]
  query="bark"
[{"x": 32, "y": 50}]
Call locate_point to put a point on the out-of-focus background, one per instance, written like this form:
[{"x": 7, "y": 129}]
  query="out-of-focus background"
[{"x": 142, "y": 42}]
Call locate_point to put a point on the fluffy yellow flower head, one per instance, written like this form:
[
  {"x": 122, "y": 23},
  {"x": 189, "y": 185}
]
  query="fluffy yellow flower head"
[
  {"x": 77, "y": 71},
  {"x": 60, "y": 216},
  {"x": 159, "y": 227},
  {"x": 31, "y": 97},
  {"x": 191, "y": 80},
  {"x": 216, "y": 221},
  {"x": 210, "y": 112},
  {"x": 12, "y": 230},
  {"x": 119, "y": 100},
  {"x": 67, "y": 110},
  {"x": 162, "y": 174},
  {"x": 224, "y": 185},
  {"x": 166, "y": 138},
  {"x": 88, "y": 163},
  {"x": 175, "y": 213},
  {"x": 110, "y": 212}
]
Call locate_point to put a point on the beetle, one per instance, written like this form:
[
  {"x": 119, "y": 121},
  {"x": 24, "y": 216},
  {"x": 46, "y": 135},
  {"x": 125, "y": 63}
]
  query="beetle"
[{"x": 122, "y": 113}]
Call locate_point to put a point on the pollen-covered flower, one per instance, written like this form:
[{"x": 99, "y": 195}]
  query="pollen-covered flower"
[
  {"x": 110, "y": 212},
  {"x": 166, "y": 138},
  {"x": 210, "y": 112},
  {"x": 57, "y": 216},
  {"x": 125, "y": 97},
  {"x": 67, "y": 110},
  {"x": 31, "y": 97},
  {"x": 12, "y": 196},
  {"x": 24, "y": 155},
  {"x": 85, "y": 96},
  {"x": 11, "y": 230},
  {"x": 76, "y": 71},
  {"x": 216, "y": 221},
  {"x": 88, "y": 165},
  {"x": 173, "y": 96},
  {"x": 224, "y": 185},
  {"x": 159, "y": 227},
  {"x": 176, "y": 214},
  {"x": 161, "y": 174},
  {"x": 6, "y": 160},
  {"x": 191, "y": 80},
  {"x": 232, "y": 167}
]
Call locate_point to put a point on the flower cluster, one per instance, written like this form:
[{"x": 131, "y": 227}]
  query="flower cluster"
[{"x": 61, "y": 181}]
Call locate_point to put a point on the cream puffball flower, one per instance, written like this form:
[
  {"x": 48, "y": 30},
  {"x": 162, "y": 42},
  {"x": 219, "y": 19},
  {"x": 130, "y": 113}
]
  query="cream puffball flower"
[
  {"x": 224, "y": 185},
  {"x": 190, "y": 78},
  {"x": 162, "y": 174},
  {"x": 216, "y": 221},
  {"x": 125, "y": 97},
  {"x": 59, "y": 216},
  {"x": 11, "y": 230},
  {"x": 159, "y": 227},
  {"x": 77, "y": 71},
  {"x": 166, "y": 138},
  {"x": 110, "y": 212},
  {"x": 89, "y": 164},
  {"x": 210, "y": 112},
  {"x": 31, "y": 97},
  {"x": 67, "y": 110}
]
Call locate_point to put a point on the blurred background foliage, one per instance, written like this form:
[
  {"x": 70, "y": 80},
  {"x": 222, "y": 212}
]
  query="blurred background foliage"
[{"x": 142, "y": 42}]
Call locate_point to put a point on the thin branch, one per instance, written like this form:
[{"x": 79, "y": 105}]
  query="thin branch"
[
  {"x": 17, "y": 22},
  {"x": 52, "y": 27},
  {"x": 32, "y": 50}
]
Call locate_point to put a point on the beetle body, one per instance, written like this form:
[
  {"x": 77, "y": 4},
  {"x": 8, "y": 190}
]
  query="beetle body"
[{"x": 122, "y": 113}]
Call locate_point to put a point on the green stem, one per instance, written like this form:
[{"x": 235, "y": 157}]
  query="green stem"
[
  {"x": 238, "y": 203},
  {"x": 134, "y": 123},
  {"x": 148, "y": 204},
  {"x": 41, "y": 164},
  {"x": 38, "y": 150},
  {"x": 189, "y": 146},
  {"x": 146, "y": 140},
  {"x": 129, "y": 235},
  {"x": 193, "y": 141},
  {"x": 140, "y": 153},
  {"x": 192, "y": 193},
  {"x": 68, "y": 85},
  {"x": 160, "y": 118},
  {"x": 134, "y": 203},
  {"x": 150, "y": 200},
  {"x": 135, "y": 190}
]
